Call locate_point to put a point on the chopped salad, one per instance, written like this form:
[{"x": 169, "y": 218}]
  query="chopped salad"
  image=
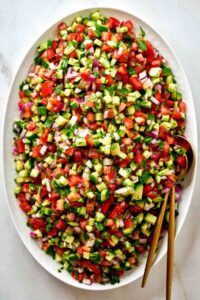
[{"x": 94, "y": 145}]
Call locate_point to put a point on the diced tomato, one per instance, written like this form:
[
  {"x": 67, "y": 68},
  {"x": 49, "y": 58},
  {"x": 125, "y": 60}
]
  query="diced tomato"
[
  {"x": 182, "y": 107},
  {"x": 52, "y": 148},
  {"x": 73, "y": 54},
  {"x": 138, "y": 158},
  {"x": 119, "y": 36},
  {"x": 106, "y": 205},
  {"x": 54, "y": 105},
  {"x": 98, "y": 83},
  {"x": 60, "y": 224},
  {"x": 156, "y": 63},
  {"x": 128, "y": 223},
  {"x": 52, "y": 233},
  {"x": 112, "y": 187},
  {"x": 47, "y": 88},
  {"x": 26, "y": 207},
  {"x": 44, "y": 136},
  {"x": 139, "y": 113},
  {"x": 90, "y": 266},
  {"x": 75, "y": 180},
  {"x": 177, "y": 115},
  {"x": 37, "y": 223},
  {"x": 31, "y": 126},
  {"x": 36, "y": 151},
  {"x": 110, "y": 80},
  {"x": 126, "y": 162},
  {"x": 83, "y": 223},
  {"x": 168, "y": 183},
  {"x": 22, "y": 94},
  {"x": 128, "y": 122},
  {"x": 181, "y": 160},
  {"x": 140, "y": 249},
  {"x": 59, "y": 250},
  {"x": 48, "y": 54},
  {"x": 122, "y": 106},
  {"x": 53, "y": 196},
  {"x": 106, "y": 36},
  {"x": 147, "y": 189},
  {"x": 93, "y": 153},
  {"x": 20, "y": 147},
  {"x": 34, "y": 94},
  {"x": 165, "y": 151},
  {"x": 122, "y": 70},
  {"x": 89, "y": 140},
  {"x": 77, "y": 156},
  {"x": 128, "y": 24},
  {"x": 80, "y": 28},
  {"x": 116, "y": 211},
  {"x": 169, "y": 103},
  {"x": 62, "y": 26},
  {"x": 90, "y": 33},
  {"x": 124, "y": 56},
  {"x": 140, "y": 58},
  {"x": 165, "y": 110},
  {"x": 94, "y": 126},
  {"x": 90, "y": 117},
  {"x": 70, "y": 151},
  {"x": 136, "y": 83},
  {"x": 150, "y": 52},
  {"x": 112, "y": 23},
  {"x": 44, "y": 192},
  {"x": 105, "y": 48}
]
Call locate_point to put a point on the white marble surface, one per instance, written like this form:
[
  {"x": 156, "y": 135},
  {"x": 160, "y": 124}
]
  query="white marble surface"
[{"x": 21, "y": 277}]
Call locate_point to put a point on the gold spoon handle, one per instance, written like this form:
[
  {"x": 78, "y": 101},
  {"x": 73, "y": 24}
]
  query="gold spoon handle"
[
  {"x": 170, "y": 252},
  {"x": 155, "y": 239}
]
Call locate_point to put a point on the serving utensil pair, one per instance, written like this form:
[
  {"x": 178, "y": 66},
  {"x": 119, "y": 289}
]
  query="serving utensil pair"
[{"x": 182, "y": 142}]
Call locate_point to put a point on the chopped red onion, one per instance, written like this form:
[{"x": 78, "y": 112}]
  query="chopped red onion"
[
  {"x": 48, "y": 186},
  {"x": 142, "y": 241},
  {"x": 43, "y": 149},
  {"x": 95, "y": 63},
  {"x": 178, "y": 197},
  {"x": 158, "y": 88},
  {"x": 154, "y": 134},
  {"x": 93, "y": 86},
  {"x": 178, "y": 188},
  {"x": 23, "y": 133},
  {"x": 166, "y": 190},
  {"x": 142, "y": 75},
  {"x": 154, "y": 100},
  {"x": 39, "y": 243},
  {"x": 33, "y": 234},
  {"x": 87, "y": 281}
]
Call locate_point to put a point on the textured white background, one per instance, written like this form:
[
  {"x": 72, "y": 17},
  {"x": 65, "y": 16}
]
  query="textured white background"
[{"x": 21, "y": 277}]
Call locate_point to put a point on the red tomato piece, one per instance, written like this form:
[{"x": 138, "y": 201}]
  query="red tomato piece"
[
  {"x": 128, "y": 122},
  {"x": 136, "y": 83},
  {"x": 112, "y": 23},
  {"x": 128, "y": 24},
  {"x": 20, "y": 147},
  {"x": 181, "y": 160},
  {"x": 75, "y": 180},
  {"x": 44, "y": 136},
  {"x": 90, "y": 117},
  {"x": 36, "y": 223},
  {"x": 90, "y": 33},
  {"x": 77, "y": 156},
  {"x": 128, "y": 223},
  {"x": 106, "y": 36},
  {"x": 47, "y": 88}
]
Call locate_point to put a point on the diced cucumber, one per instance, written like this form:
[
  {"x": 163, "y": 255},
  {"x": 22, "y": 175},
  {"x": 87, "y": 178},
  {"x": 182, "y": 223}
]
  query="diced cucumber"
[{"x": 150, "y": 219}]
